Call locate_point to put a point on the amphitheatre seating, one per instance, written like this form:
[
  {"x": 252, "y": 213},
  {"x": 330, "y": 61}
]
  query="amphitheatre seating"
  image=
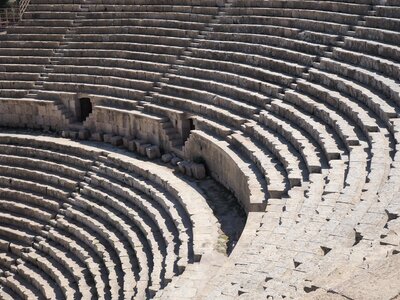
[
  {"x": 78, "y": 221},
  {"x": 300, "y": 98}
]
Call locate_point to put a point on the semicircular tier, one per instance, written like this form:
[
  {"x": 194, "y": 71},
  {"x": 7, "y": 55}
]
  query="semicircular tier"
[
  {"x": 77, "y": 221},
  {"x": 292, "y": 105}
]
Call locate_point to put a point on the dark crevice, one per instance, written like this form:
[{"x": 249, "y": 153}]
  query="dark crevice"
[{"x": 358, "y": 237}]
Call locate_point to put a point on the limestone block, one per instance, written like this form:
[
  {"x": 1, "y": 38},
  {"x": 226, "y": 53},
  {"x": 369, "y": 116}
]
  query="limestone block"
[
  {"x": 142, "y": 149},
  {"x": 175, "y": 161},
  {"x": 84, "y": 134},
  {"x": 107, "y": 137},
  {"x": 73, "y": 134},
  {"x": 153, "y": 152},
  {"x": 126, "y": 140},
  {"x": 182, "y": 166},
  {"x": 97, "y": 136},
  {"x": 132, "y": 145},
  {"x": 138, "y": 143},
  {"x": 116, "y": 140},
  {"x": 166, "y": 158},
  {"x": 198, "y": 171},
  {"x": 188, "y": 169}
]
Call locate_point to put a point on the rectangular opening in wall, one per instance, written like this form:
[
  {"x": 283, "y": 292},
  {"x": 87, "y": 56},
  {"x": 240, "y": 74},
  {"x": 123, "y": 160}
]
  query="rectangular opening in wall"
[{"x": 85, "y": 108}]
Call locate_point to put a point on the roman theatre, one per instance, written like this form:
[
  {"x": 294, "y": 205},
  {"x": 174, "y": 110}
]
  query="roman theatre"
[{"x": 200, "y": 149}]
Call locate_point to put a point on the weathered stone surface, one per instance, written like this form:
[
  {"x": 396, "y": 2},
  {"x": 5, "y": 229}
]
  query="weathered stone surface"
[
  {"x": 167, "y": 157},
  {"x": 291, "y": 105},
  {"x": 153, "y": 152},
  {"x": 198, "y": 171},
  {"x": 96, "y": 136},
  {"x": 175, "y": 161},
  {"x": 116, "y": 140},
  {"x": 84, "y": 134}
]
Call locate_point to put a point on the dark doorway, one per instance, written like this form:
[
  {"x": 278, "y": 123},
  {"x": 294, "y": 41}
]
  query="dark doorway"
[
  {"x": 85, "y": 108},
  {"x": 191, "y": 125}
]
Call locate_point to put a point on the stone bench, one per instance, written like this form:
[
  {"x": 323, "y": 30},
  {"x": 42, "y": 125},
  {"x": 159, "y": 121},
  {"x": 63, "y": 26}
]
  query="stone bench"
[
  {"x": 164, "y": 2},
  {"x": 202, "y": 96},
  {"x": 24, "y": 224},
  {"x": 354, "y": 110},
  {"x": 39, "y": 45},
  {"x": 34, "y": 187},
  {"x": 235, "y": 33},
  {"x": 338, "y": 122},
  {"x": 274, "y": 176},
  {"x": 36, "y": 30},
  {"x": 318, "y": 130},
  {"x": 18, "y": 76},
  {"x": 36, "y": 37},
  {"x": 388, "y": 24},
  {"x": 24, "y": 60},
  {"x": 43, "y": 177},
  {"x": 376, "y": 34},
  {"x": 201, "y": 8},
  {"x": 84, "y": 255},
  {"x": 303, "y": 24},
  {"x": 18, "y": 236},
  {"x": 224, "y": 89},
  {"x": 15, "y": 88},
  {"x": 141, "y": 15},
  {"x": 286, "y": 154},
  {"x": 13, "y": 51},
  {"x": 72, "y": 59},
  {"x": 309, "y": 13},
  {"x": 133, "y": 38},
  {"x": 157, "y": 61},
  {"x": 255, "y": 62},
  {"x": 65, "y": 159},
  {"x": 297, "y": 138},
  {"x": 16, "y": 67},
  {"x": 47, "y": 15},
  {"x": 96, "y": 89},
  {"x": 152, "y": 32},
  {"x": 14, "y": 284},
  {"x": 127, "y": 48},
  {"x": 46, "y": 22},
  {"x": 373, "y": 63},
  {"x": 36, "y": 200},
  {"x": 71, "y": 264},
  {"x": 36, "y": 213},
  {"x": 153, "y": 214},
  {"x": 136, "y": 79},
  {"x": 387, "y": 86},
  {"x": 44, "y": 263},
  {"x": 334, "y": 6},
  {"x": 37, "y": 278},
  {"x": 79, "y": 233},
  {"x": 242, "y": 75},
  {"x": 58, "y": 170},
  {"x": 199, "y": 108},
  {"x": 116, "y": 231}
]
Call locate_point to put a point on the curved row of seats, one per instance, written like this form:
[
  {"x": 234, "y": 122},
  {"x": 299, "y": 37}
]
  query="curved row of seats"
[
  {"x": 114, "y": 49},
  {"x": 307, "y": 93},
  {"x": 336, "y": 107},
  {"x": 81, "y": 222}
]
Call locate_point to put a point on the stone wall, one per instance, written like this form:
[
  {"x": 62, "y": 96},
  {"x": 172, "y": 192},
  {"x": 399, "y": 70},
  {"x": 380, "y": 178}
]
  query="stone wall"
[
  {"x": 227, "y": 168},
  {"x": 31, "y": 114}
]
